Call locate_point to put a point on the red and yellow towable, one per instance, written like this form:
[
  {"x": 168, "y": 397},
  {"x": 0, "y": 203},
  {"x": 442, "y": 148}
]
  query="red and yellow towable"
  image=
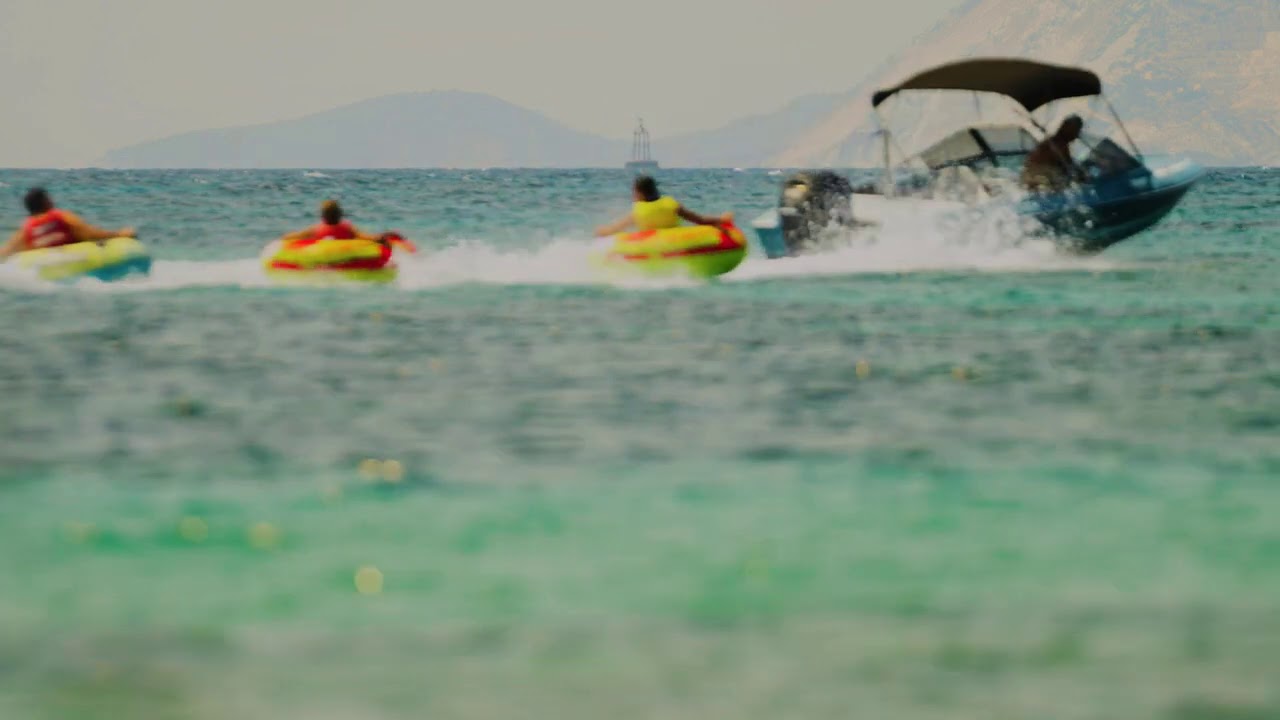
[
  {"x": 701, "y": 251},
  {"x": 341, "y": 260}
]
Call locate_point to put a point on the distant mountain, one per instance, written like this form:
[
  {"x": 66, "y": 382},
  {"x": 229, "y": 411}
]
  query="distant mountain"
[
  {"x": 462, "y": 130},
  {"x": 1193, "y": 76},
  {"x": 436, "y": 129}
]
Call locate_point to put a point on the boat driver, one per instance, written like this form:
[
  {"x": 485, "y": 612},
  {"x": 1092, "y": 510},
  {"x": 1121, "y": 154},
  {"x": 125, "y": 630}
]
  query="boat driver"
[
  {"x": 48, "y": 227},
  {"x": 1049, "y": 166}
]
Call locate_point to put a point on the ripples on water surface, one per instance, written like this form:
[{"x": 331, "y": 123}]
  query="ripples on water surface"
[{"x": 932, "y": 476}]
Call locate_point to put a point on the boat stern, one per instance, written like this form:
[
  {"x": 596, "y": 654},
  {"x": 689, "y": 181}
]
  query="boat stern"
[{"x": 768, "y": 230}]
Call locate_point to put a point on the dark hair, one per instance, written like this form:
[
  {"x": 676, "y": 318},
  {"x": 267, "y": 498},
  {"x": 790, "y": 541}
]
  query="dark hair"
[
  {"x": 331, "y": 212},
  {"x": 38, "y": 201},
  {"x": 1075, "y": 120},
  {"x": 647, "y": 188}
]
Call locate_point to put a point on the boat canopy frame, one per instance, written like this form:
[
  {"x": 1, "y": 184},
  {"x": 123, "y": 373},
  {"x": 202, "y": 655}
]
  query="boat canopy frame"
[{"x": 1030, "y": 84}]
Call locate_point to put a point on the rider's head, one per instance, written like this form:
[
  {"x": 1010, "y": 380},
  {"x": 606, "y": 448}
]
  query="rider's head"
[
  {"x": 645, "y": 189},
  {"x": 331, "y": 212},
  {"x": 38, "y": 201},
  {"x": 1070, "y": 128}
]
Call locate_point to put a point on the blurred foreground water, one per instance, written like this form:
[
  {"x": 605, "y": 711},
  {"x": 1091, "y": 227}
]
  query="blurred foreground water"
[{"x": 924, "y": 477}]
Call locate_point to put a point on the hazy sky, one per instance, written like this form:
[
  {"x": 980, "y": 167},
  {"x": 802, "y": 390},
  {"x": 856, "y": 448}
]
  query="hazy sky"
[{"x": 80, "y": 77}]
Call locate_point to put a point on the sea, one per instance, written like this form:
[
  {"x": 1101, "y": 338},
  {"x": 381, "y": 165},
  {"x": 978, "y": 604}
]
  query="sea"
[{"x": 933, "y": 473}]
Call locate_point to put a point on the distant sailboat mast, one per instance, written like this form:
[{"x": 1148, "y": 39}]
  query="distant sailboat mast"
[
  {"x": 637, "y": 142},
  {"x": 641, "y": 154}
]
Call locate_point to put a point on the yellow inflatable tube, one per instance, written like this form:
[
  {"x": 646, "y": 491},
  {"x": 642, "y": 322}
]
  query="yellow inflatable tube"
[
  {"x": 310, "y": 260},
  {"x": 328, "y": 253},
  {"x": 107, "y": 261},
  {"x": 702, "y": 251}
]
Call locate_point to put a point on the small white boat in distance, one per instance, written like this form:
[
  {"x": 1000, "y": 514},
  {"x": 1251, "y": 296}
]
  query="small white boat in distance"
[{"x": 642, "y": 161}]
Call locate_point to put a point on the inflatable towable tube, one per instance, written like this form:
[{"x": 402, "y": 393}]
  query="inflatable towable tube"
[
  {"x": 108, "y": 261},
  {"x": 354, "y": 260},
  {"x": 702, "y": 251}
]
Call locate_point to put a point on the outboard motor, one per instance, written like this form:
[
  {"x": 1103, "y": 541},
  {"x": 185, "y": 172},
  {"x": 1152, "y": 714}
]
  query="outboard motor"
[{"x": 813, "y": 204}]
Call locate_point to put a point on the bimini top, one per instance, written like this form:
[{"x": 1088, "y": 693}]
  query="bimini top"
[{"x": 1032, "y": 84}]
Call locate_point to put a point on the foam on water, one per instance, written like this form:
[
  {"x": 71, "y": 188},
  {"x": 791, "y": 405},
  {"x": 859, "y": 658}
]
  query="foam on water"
[
  {"x": 994, "y": 239},
  {"x": 13, "y": 277},
  {"x": 987, "y": 242},
  {"x": 165, "y": 275},
  {"x": 563, "y": 261},
  {"x": 559, "y": 262}
]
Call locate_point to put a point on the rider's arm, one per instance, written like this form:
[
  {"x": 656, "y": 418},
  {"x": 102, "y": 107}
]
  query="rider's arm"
[
  {"x": 85, "y": 232},
  {"x": 614, "y": 228},
  {"x": 697, "y": 219},
  {"x": 12, "y": 246},
  {"x": 364, "y": 235},
  {"x": 299, "y": 235}
]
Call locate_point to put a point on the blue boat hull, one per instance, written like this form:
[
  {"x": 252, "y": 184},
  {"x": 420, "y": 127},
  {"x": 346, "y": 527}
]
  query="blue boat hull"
[
  {"x": 1117, "y": 207},
  {"x": 1087, "y": 220}
]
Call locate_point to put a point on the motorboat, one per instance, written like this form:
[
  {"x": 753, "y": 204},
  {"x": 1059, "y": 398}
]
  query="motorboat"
[{"x": 1116, "y": 192}]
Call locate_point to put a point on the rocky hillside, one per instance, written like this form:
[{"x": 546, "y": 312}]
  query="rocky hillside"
[{"x": 1192, "y": 76}]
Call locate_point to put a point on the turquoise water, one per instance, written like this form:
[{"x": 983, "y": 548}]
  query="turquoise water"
[{"x": 945, "y": 472}]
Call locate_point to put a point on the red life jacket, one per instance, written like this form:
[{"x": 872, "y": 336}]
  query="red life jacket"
[
  {"x": 48, "y": 230},
  {"x": 341, "y": 231}
]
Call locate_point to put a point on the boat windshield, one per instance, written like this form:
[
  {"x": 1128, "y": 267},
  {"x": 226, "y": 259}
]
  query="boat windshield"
[
  {"x": 1101, "y": 156},
  {"x": 981, "y": 148},
  {"x": 1003, "y": 148}
]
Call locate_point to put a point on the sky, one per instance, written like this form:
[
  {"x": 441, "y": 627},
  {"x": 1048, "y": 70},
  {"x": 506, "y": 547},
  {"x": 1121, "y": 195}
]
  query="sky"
[{"x": 81, "y": 77}]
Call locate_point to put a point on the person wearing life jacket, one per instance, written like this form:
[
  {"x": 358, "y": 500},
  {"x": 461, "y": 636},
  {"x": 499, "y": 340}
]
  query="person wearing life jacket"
[
  {"x": 332, "y": 226},
  {"x": 654, "y": 211},
  {"x": 49, "y": 227}
]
